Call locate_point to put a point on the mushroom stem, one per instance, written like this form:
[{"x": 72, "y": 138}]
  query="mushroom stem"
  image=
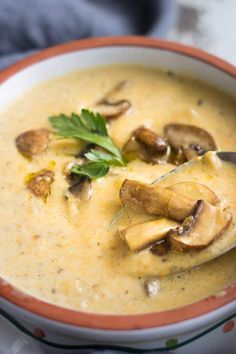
[
  {"x": 152, "y": 199},
  {"x": 144, "y": 234}
]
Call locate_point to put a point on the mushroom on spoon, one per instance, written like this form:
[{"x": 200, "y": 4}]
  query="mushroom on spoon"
[{"x": 190, "y": 246}]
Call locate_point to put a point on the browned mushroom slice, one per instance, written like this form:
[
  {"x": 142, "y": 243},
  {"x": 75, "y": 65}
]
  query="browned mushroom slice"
[
  {"x": 80, "y": 186},
  {"x": 153, "y": 199},
  {"x": 147, "y": 145},
  {"x": 198, "y": 231},
  {"x": 33, "y": 142},
  {"x": 39, "y": 183},
  {"x": 151, "y": 141},
  {"x": 81, "y": 189},
  {"x": 192, "y": 141},
  {"x": 142, "y": 235},
  {"x": 111, "y": 108},
  {"x": 196, "y": 191}
]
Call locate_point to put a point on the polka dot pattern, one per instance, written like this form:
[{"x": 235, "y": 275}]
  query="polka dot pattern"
[
  {"x": 172, "y": 343},
  {"x": 229, "y": 326},
  {"x": 39, "y": 333}
]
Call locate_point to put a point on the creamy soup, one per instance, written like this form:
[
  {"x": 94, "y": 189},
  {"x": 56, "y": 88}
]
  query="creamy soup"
[{"x": 68, "y": 251}]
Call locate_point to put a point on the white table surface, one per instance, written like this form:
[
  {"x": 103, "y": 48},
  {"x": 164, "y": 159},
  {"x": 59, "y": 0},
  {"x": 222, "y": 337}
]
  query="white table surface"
[{"x": 209, "y": 25}]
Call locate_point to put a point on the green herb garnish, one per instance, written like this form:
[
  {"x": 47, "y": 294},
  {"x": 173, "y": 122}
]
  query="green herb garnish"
[
  {"x": 92, "y": 170},
  {"x": 90, "y": 127},
  {"x": 104, "y": 157}
]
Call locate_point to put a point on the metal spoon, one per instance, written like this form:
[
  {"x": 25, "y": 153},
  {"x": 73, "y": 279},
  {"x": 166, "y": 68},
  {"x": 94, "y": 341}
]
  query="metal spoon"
[
  {"x": 175, "y": 262},
  {"x": 147, "y": 264}
]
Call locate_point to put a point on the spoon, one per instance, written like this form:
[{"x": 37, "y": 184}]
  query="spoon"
[
  {"x": 216, "y": 165},
  {"x": 228, "y": 156}
]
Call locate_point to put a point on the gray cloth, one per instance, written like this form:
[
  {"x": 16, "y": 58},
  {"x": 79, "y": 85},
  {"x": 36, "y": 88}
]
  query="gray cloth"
[{"x": 29, "y": 25}]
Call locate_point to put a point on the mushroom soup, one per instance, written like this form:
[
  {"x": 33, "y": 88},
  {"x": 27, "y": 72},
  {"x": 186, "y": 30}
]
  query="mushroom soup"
[{"x": 82, "y": 225}]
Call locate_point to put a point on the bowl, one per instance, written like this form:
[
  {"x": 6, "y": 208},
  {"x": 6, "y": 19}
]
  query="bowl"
[{"x": 205, "y": 326}]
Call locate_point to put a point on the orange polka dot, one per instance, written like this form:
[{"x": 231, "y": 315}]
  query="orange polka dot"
[{"x": 228, "y": 327}]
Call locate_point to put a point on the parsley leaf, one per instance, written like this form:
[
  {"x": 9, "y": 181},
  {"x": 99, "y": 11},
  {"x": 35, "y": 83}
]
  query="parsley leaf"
[
  {"x": 103, "y": 157},
  {"x": 92, "y": 170},
  {"x": 98, "y": 165},
  {"x": 87, "y": 126}
]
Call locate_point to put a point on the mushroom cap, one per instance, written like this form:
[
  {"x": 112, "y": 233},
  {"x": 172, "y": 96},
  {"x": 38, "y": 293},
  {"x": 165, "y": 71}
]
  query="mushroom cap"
[
  {"x": 113, "y": 109},
  {"x": 195, "y": 138},
  {"x": 109, "y": 106},
  {"x": 206, "y": 224},
  {"x": 32, "y": 142},
  {"x": 145, "y": 144},
  {"x": 151, "y": 141},
  {"x": 141, "y": 235},
  {"x": 81, "y": 188}
]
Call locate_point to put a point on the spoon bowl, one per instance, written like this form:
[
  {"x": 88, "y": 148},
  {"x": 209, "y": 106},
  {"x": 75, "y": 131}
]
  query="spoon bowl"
[{"x": 215, "y": 171}]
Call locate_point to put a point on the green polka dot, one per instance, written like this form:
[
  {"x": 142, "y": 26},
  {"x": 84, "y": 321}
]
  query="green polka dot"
[{"x": 172, "y": 343}]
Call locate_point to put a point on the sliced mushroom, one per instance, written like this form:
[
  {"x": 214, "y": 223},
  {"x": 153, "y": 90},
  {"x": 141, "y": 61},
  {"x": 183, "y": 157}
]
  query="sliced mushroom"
[
  {"x": 39, "y": 183},
  {"x": 188, "y": 140},
  {"x": 32, "y": 142},
  {"x": 78, "y": 193},
  {"x": 198, "y": 231},
  {"x": 145, "y": 144},
  {"x": 196, "y": 191},
  {"x": 111, "y": 108},
  {"x": 80, "y": 186},
  {"x": 151, "y": 141},
  {"x": 81, "y": 189},
  {"x": 142, "y": 235},
  {"x": 153, "y": 199}
]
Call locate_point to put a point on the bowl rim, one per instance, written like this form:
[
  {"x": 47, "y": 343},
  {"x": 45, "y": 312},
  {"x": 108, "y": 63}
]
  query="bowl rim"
[{"x": 103, "y": 321}]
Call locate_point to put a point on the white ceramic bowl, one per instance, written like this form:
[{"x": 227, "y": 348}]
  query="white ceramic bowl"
[{"x": 203, "y": 327}]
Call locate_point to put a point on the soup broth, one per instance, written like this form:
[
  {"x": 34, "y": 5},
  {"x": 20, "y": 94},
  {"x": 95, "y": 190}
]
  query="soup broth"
[{"x": 70, "y": 253}]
